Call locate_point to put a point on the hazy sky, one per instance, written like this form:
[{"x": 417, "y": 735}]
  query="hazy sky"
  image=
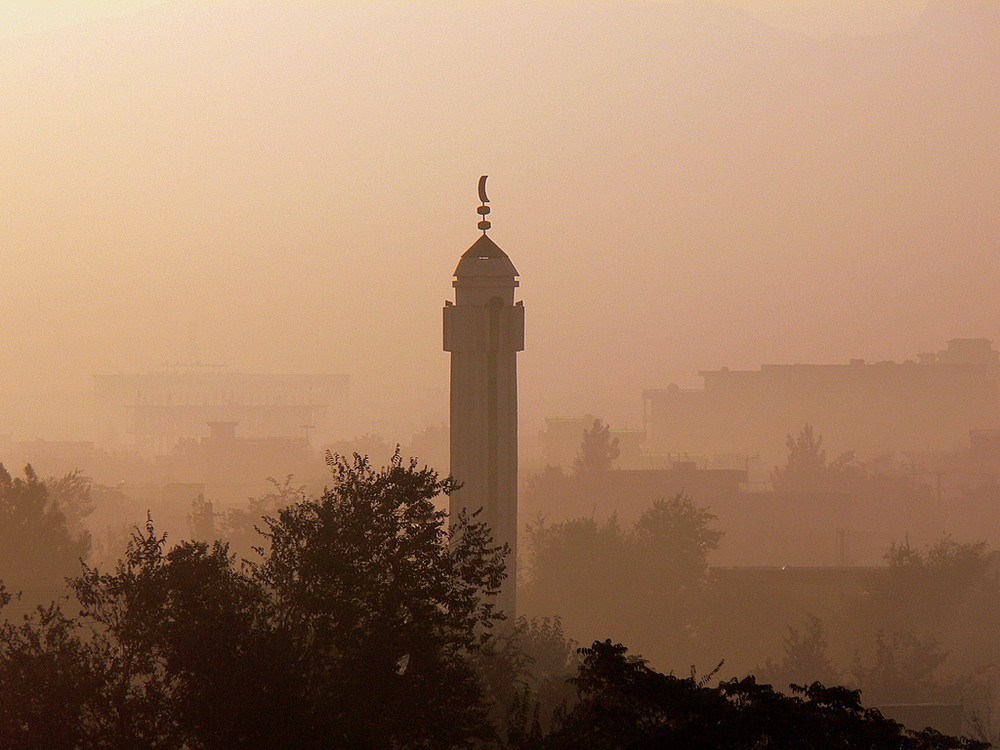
[{"x": 288, "y": 186}]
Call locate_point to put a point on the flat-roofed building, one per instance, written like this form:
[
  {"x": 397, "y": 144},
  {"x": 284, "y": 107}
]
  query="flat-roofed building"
[
  {"x": 930, "y": 403},
  {"x": 153, "y": 410}
]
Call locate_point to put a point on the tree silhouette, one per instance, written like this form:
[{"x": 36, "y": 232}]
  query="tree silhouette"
[
  {"x": 355, "y": 628},
  {"x": 903, "y": 669},
  {"x": 639, "y": 582},
  {"x": 623, "y": 703},
  {"x": 238, "y": 527},
  {"x": 674, "y": 537},
  {"x": 805, "y": 658},
  {"x": 385, "y": 600},
  {"x": 37, "y": 549},
  {"x": 526, "y": 673},
  {"x": 72, "y": 494},
  {"x": 366, "y": 621},
  {"x": 598, "y": 450},
  {"x": 806, "y": 467},
  {"x": 48, "y": 679}
]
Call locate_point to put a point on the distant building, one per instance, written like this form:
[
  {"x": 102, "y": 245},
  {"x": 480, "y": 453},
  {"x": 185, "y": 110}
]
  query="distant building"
[
  {"x": 51, "y": 457},
  {"x": 627, "y": 493},
  {"x": 871, "y": 408},
  {"x": 152, "y": 411},
  {"x": 967, "y": 482},
  {"x": 229, "y": 468}
]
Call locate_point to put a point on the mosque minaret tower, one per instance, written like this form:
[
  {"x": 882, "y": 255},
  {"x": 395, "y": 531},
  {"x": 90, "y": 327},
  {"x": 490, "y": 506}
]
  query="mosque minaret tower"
[{"x": 484, "y": 331}]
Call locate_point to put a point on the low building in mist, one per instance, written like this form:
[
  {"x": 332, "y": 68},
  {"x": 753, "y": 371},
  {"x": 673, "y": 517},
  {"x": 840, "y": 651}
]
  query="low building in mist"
[
  {"x": 50, "y": 457},
  {"x": 230, "y": 467},
  {"x": 221, "y": 465},
  {"x": 967, "y": 482},
  {"x": 926, "y": 404},
  {"x": 224, "y": 469},
  {"x": 54, "y": 458},
  {"x": 153, "y": 411},
  {"x": 626, "y": 493}
]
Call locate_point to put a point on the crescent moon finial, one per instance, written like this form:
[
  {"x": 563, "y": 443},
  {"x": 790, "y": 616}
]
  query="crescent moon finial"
[{"x": 483, "y": 210}]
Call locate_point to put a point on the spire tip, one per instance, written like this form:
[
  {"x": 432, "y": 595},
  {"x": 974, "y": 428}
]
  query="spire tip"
[{"x": 483, "y": 210}]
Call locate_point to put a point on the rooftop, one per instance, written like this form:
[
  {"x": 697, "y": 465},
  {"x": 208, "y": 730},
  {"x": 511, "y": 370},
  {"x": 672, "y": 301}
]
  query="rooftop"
[{"x": 485, "y": 258}]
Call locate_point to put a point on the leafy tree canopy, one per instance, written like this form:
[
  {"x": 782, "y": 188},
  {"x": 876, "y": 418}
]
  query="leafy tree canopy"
[
  {"x": 640, "y": 581},
  {"x": 37, "y": 548},
  {"x": 598, "y": 450},
  {"x": 946, "y": 554},
  {"x": 903, "y": 669},
  {"x": 807, "y": 470},
  {"x": 623, "y": 703},
  {"x": 805, "y": 658},
  {"x": 806, "y": 467},
  {"x": 354, "y": 628}
]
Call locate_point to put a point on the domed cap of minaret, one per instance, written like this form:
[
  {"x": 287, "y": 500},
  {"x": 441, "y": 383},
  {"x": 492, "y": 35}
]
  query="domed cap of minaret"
[{"x": 485, "y": 258}]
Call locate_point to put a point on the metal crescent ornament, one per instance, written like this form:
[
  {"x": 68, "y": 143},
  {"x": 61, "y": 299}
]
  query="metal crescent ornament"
[{"x": 483, "y": 210}]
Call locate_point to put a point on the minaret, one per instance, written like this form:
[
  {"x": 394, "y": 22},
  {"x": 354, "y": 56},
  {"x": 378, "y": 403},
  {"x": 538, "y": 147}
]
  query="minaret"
[{"x": 484, "y": 330}]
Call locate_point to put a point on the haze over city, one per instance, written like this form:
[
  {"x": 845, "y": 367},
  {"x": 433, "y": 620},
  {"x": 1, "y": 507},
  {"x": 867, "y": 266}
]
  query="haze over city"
[
  {"x": 284, "y": 187},
  {"x": 499, "y": 375}
]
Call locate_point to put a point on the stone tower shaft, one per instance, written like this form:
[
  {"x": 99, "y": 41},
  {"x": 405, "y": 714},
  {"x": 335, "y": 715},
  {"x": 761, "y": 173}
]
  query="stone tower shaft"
[{"x": 484, "y": 330}]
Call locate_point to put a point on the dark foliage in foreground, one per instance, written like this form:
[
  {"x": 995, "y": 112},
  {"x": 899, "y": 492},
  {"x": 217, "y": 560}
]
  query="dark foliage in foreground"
[
  {"x": 366, "y": 623},
  {"x": 625, "y": 704},
  {"x": 355, "y": 629}
]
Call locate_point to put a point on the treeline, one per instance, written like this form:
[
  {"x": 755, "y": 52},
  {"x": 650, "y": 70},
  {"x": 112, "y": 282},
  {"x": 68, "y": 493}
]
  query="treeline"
[
  {"x": 920, "y": 629},
  {"x": 923, "y": 629},
  {"x": 364, "y": 620}
]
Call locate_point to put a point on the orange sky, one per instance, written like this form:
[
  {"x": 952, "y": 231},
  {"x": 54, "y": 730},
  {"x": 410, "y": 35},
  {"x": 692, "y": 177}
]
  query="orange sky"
[{"x": 288, "y": 186}]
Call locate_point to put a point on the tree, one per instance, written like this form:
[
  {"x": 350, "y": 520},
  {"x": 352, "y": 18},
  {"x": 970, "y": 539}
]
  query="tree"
[
  {"x": 937, "y": 587},
  {"x": 947, "y": 556},
  {"x": 876, "y": 480},
  {"x": 904, "y": 669},
  {"x": 674, "y": 536},
  {"x": 72, "y": 494},
  {"x": 354, "y": 628},
  {"x": 125, "y": 613},
  {"x": 623, "y": 703},
  {"x": 37, "y": 549},
  {"x": 805, "y": 658},
  {"x": 640, "y": 582},
  {"x": 238, "y": 527},
  {"x": 386, "y": 601},
  {"x": 374, "y": 446},
  {"x": 598, "y": 450},
  {"x": 806, "y": 467},
  {"x": 546, "y": 648},
  {"x": 432, "y": 445},
  {"x": 576, "y": 568},
  {"x": 931, "y": 620},
  {"x": 48, "y": 678},
  {"x": 526, "y": 672}
]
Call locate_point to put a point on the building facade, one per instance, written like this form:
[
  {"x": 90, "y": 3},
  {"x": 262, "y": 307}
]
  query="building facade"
[
  {"x": 929, "y": 403},
  {"x": 152, "y": 411}
]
